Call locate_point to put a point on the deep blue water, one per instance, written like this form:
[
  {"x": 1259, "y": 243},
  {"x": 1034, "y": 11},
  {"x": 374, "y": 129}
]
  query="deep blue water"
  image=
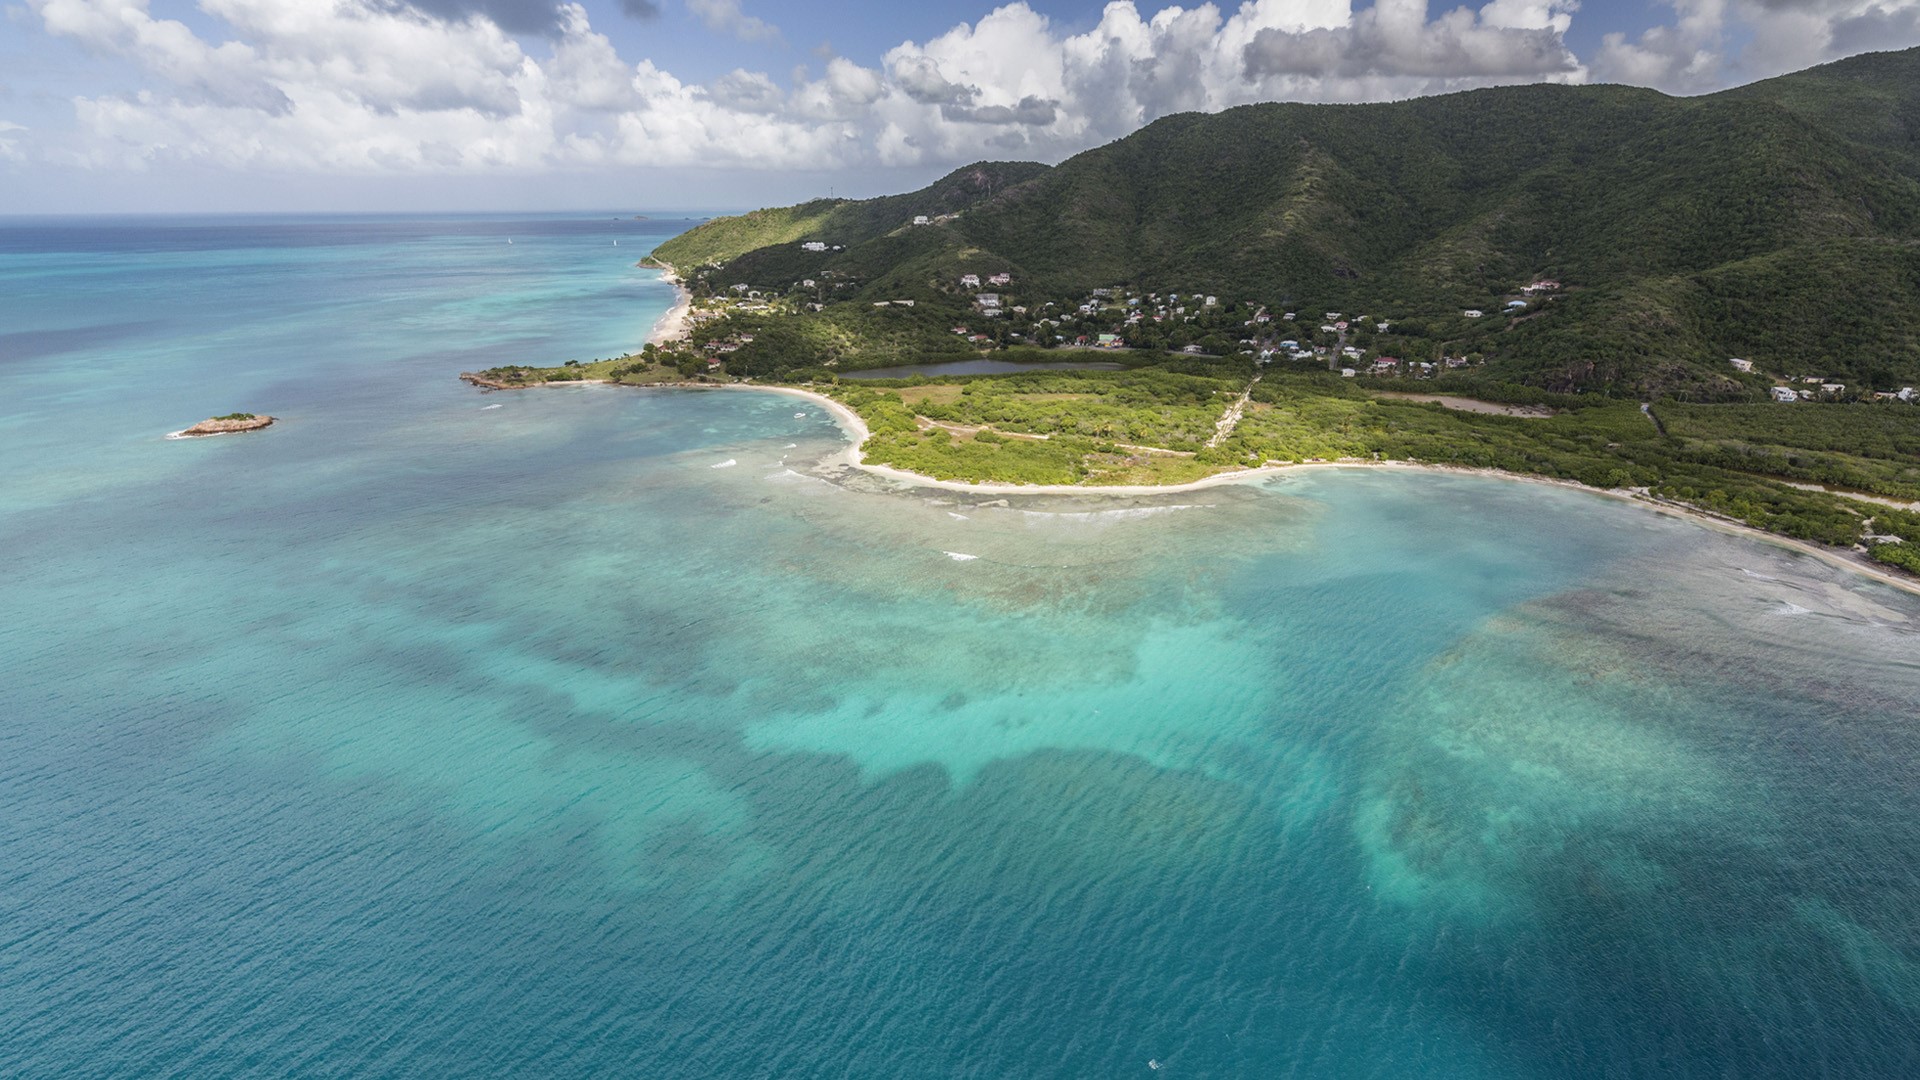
[{"x": 417, "y": 736}]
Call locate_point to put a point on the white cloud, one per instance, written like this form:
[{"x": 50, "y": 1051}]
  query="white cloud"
[
  {"x": 725, "y": 17},
  {"x": 9, "y": 147},
  {"x": 1715, "y": 43},
  {"x": 376, "y": 86}
]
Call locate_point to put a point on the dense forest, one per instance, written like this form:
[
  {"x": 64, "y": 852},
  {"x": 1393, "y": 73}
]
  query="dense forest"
[{"x": 1779, "y": 222}]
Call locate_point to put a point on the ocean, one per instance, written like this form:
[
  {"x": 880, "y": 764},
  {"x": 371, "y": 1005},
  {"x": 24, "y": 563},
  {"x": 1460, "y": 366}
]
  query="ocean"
[{"x": 441, "y": 733}]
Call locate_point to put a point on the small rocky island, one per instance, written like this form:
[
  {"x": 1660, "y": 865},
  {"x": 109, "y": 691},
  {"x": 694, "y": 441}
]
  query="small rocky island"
[{"x": 225, "y": 425}]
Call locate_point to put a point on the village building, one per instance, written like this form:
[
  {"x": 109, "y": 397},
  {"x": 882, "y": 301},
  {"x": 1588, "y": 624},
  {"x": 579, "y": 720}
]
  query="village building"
[
  {"x": 1741, "y": 365},
  {"x": 969, "y": 281},
  {"x": 813, "y": 245}
]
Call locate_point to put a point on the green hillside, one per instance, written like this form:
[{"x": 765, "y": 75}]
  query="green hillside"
[
  {"x": 844, "y": 222},
  {"x": 1776, "y": 221}
]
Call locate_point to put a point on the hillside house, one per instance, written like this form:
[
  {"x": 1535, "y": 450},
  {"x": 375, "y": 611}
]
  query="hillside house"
[
  {"x": 988, "y": 301},
  {"x": 969, "y": 281},
  {"x": 813, "y": 245},
  {"x": 1516, "y": 305},
  {"x": 1906, "y": 393},
  {"x": 1541, "y": 286},
  {"x": 1741, "y": 365},
  {"x": 1000, "y": 279},
  {"x": 1785, "y": 393},
  {"x": 1347, "y": 373},
  {"x": 920, "y": 219},
  {"x": 1473, "y": 313}
]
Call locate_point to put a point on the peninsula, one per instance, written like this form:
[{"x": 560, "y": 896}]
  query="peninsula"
[{"x": 1599, "y": 285}]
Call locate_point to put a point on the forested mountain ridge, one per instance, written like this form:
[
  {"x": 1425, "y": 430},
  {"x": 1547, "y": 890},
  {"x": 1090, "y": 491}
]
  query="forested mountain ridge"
[{"x": 1779, "y": 220}]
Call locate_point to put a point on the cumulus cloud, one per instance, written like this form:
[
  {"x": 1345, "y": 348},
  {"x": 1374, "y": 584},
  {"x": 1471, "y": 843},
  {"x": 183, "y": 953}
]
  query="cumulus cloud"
[
  {"x": 1394, "y": 40},
  {"x": 748, "y": 91},
  {"x": 446, "y": 86},
  {"x": 1715, "y": 43},
  {"x": 725, "y": 17},
  {"x": 513, "y": 16}
]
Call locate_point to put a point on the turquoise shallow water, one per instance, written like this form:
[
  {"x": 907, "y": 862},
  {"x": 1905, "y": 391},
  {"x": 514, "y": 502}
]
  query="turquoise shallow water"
[{"x": 417, "y": 737}]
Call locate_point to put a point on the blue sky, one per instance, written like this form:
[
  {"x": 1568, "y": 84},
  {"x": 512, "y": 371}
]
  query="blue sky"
[{"x": 136, "y": 105}]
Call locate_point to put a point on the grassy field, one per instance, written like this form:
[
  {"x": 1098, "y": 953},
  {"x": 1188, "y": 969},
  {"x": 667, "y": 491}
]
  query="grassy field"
[{"x": 1151, "y": 425}]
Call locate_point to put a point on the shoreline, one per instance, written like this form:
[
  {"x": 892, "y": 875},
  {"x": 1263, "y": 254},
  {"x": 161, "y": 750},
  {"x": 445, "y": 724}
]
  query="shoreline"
[
  {"x": 856, "y": 429},
  {"x": 675, "y": 324}
]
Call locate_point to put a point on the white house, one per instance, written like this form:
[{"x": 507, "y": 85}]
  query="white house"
[
  {"x": 988, "y": 300},
  {"x": 1213, "y": 301},
  {"x": 1346, "y": 373},
  {"x": 806, "y": 283},
  {"x": 813, "y": 245},
  {"x": 1741, "y": 365},
  {"x": 1785, "y": 393},
  {"x": 1833, "y": 388},
  {"x": 969, "y": 281},
  {"x": 1000, "y": 279},
  {"x": 1906, "y": 393},
  {"x": 1473, "y": 313},
  {"x": 919, "y": 219}
]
